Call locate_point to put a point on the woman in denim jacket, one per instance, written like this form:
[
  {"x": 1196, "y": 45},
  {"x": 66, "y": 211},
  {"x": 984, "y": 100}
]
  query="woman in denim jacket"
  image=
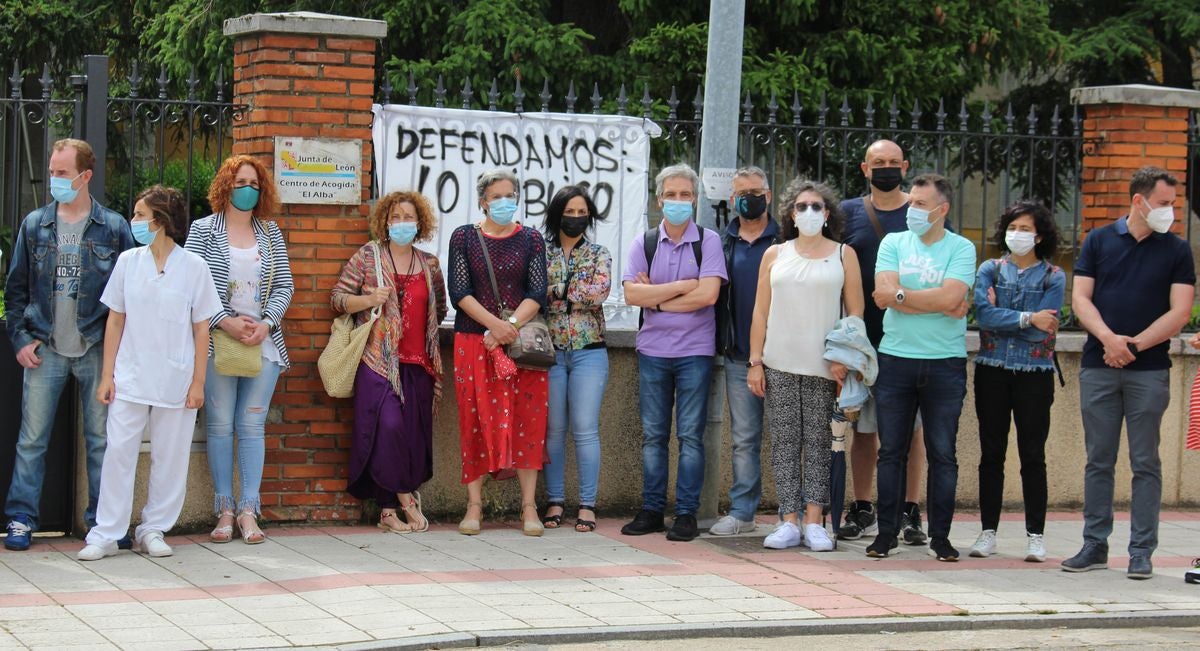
[{"x": 1017, "y": 300}]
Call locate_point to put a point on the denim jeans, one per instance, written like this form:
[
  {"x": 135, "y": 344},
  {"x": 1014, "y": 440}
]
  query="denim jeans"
[
  {"x": 681, "y": 383},
  {"x": 237, "y": 404},
  {"x": 577, "y": 384},
  {"x": 41, "y": 389},
  {"x": 1109, "y": 396},
  {"x": 935, "y": 387},
  {"x": 746, "y": 428}
]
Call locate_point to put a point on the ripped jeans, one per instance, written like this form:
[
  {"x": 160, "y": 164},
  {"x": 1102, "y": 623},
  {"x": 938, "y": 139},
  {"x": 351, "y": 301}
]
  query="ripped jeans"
[{"x": 237, "y": 404}]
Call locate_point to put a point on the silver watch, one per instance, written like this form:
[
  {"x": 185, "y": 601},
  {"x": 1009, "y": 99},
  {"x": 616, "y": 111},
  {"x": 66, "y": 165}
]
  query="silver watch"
[{"x": 899, "y": 296}]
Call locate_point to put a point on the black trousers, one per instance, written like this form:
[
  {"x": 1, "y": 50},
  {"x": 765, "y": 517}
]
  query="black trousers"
[{"x": 1025, "y": 397}]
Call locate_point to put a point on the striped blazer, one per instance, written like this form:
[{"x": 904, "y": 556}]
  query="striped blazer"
[{"x": 208, "y": 238}]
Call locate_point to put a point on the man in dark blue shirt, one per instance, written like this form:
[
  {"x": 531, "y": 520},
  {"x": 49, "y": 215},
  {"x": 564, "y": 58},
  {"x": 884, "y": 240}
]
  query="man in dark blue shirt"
[
  {"x": 866, "y": 224},
  {"x": 1133, "y": 290},
  {"x": 747, "y": 238}
]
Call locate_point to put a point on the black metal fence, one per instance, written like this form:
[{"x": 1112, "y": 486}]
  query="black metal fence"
[
  {"x": 993, "y": 156},
  {"x": 153, "y": 131}
]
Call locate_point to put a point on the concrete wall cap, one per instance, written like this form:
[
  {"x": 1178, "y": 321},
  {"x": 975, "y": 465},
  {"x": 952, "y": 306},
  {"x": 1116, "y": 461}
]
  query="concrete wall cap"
[
  {"x": 305, "y": 22},
  {"x": 1142, "y": 94}
]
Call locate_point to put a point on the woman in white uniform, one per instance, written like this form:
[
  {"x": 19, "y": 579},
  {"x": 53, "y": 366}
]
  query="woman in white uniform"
[{"x": 160, "y": 298}]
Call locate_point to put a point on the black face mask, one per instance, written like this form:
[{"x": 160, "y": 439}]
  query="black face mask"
[
  {"x": 751, "y": 207},
  {"x": 574, "y": 226},
  {"x": 886, "y": 178}
]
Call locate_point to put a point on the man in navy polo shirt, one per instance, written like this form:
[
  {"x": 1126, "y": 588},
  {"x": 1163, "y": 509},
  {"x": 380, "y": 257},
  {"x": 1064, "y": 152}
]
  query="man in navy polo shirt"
[{"x": 1133, "y": 291}]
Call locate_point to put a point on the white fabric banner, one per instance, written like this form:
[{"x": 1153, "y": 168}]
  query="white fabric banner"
[{"x": 440, "y": 152}]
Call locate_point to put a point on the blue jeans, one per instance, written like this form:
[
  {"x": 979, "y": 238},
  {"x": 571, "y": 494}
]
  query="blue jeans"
[
  {"x": 41, "y": 389},
  {"x": 936, "y": 387},
  {"x": 1109, "y": 396},
  {"x": 746, "y": 427},
  {"x": 577, "y": 384},
  {"x": 681, "y": 383},
  {"x": 237, "y": 404}
]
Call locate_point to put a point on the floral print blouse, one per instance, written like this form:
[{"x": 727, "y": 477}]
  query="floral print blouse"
[{"x": 578, "y": 321}]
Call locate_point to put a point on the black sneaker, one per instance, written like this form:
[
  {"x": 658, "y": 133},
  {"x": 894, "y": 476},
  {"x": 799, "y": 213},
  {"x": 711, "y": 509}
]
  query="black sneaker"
[
  {"x": 1093, "y": 556},
  {"x": 643, "y": 523},
  {"x": 1193, "y": 575},
  {"x": 910, "y": 525},
  {"x": 1140, "y": 567},
  {"x": 944, "y": 551},
  {"x": 882, "y": 546},
  {"x": 860, "y": 521},
  {"x": 684, "y": 528}
]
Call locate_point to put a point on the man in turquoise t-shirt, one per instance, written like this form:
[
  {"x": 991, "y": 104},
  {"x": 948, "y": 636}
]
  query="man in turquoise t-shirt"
[{"x": 921, "y": 277}]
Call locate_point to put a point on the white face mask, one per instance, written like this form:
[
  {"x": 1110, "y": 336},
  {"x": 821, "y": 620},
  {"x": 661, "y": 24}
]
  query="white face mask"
[
  {"x": 809, "y": 222},
  {"x": 1160, "y": 219},
  {"x": 1020, "y": 242}
]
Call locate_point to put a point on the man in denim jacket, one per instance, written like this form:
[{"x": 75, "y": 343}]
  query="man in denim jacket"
[{"x": 62, "y": 257}]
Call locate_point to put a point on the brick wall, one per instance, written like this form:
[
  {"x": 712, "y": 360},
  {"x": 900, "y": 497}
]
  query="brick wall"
[
  {"x": 1126, "y": 137},
  {"x": 308, "y": 86}
]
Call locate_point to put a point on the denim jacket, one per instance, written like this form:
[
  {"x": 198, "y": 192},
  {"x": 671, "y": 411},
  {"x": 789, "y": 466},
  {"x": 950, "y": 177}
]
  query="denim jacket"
[
  {"x": 1002, "y": 341},
  {"x": 29, "y": 291}
]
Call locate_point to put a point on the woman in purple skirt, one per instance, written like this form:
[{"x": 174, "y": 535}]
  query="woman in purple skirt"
[{"x": 400, "y": 376}]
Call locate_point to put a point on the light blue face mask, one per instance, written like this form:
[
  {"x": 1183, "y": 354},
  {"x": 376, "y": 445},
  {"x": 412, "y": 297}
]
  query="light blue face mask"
[
  {"x": 142, "y": 233},
  {"x": 502, "y": 210},
  {"x": 244, "y": 198},
  {"x": 62, "y": 189},
  {"x": 402, "y": 232},
  {"x": 918, "y": 220},
  {"x": 677, "y": 212}
]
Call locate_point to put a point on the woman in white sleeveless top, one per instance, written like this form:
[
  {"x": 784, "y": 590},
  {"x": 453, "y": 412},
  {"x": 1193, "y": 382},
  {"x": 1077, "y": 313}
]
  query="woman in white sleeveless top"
[{"x": 802, "y": 284}]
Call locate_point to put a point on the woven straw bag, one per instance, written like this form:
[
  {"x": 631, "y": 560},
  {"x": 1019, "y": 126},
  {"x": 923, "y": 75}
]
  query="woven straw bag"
[{"x": 339, "y": 361}]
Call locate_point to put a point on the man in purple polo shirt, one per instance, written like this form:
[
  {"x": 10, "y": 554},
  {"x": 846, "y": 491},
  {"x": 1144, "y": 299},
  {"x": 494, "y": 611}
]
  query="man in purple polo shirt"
[{"x": 675, "y": 347}]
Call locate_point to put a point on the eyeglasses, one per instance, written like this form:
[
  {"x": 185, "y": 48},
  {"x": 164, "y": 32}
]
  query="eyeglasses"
[
  {"x": 754, "y": 192},
  {"x": 801, "y": 206}
]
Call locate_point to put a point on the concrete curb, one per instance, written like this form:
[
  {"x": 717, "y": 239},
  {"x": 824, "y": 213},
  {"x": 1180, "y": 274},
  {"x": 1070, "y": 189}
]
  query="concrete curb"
[{"x": 864, "y": 626}]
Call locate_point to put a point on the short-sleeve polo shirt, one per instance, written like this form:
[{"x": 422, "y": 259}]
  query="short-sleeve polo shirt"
[{"x": 1132, "y": 286}]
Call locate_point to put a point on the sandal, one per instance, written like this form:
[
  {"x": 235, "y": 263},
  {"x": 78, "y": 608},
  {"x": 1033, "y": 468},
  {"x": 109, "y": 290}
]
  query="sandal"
[
  {"x": 553, "y": 521},
  {"x": 471, "y": 526},
  {"x": 585, "y": 526},
  {"x": 531, "y": 527},
  {"x": 389, "y": 521},
  {"x": 222, "y": 533},
  {"x": 251, "y": 534},
  {"x": 414, "y": 514}
]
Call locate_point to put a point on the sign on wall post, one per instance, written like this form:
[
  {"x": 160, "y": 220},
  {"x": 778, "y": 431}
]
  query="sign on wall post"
[
  {"x": 440, "y": 152},
  {"x": 318, "y": 170}
]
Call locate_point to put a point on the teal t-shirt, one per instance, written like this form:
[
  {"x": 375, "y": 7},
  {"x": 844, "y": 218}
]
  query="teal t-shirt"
[{"x": 925, "y": 336}]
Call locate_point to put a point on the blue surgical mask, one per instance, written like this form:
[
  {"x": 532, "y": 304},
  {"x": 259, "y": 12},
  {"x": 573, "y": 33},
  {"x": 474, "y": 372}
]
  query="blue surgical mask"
[
  {"x": 918, "y": 221},
  {"x": 402, "y": 232},
  {"x": 502, "y": 210},
  {"x": 63, "y": 189},
  {"x": 142, "y": 233},
  {"x": 677, "y": 212},
  {"x": 244, "y": 198}
]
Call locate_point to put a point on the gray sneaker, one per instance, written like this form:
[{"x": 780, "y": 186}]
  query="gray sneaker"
[
  {"x": 1139, "y": 567},
  {"x": 729, "y": 526},
  {"x": 1093, "y": 556}
]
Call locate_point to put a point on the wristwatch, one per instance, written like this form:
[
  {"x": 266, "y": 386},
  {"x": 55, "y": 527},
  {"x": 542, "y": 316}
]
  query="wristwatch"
[
  {"x": 754, "y": 362},
  {"x": 513, "y": 320},
  {"x": 899, "y": 296}
]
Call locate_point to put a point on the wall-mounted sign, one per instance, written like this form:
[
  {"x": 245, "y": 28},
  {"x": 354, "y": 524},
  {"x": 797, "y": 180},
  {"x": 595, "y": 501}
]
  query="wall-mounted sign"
[{"x": 318, "y": 170}]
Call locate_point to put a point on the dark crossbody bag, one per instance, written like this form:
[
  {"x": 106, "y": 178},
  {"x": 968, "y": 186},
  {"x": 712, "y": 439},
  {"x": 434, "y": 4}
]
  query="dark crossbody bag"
[{"x": 533, "y": 349}]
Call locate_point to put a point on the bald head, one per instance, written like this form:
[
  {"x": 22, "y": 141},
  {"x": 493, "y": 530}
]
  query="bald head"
[
  {"x": 883, "y": 153},
  {"x": 885, "y": 168}
]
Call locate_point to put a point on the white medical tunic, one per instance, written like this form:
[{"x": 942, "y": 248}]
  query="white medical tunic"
[{"x": 158, "y": 352}]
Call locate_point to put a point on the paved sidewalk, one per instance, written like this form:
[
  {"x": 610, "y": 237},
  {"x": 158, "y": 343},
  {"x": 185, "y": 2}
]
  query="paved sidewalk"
[{"x": 360, "y": 587}]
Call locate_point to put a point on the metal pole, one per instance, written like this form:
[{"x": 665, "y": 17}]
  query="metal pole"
[
  {"x": 95, "y": 121},
  {"x": 718, "y": 150}
]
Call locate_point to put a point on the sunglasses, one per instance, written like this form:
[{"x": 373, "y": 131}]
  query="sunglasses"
[{"x": 801, "y": 206}]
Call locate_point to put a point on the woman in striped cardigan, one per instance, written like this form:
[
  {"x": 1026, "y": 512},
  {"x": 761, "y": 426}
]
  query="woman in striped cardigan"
[{"x": 249, "y": 264}]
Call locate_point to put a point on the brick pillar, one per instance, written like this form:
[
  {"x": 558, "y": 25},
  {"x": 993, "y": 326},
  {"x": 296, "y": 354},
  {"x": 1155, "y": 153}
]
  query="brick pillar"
[
  {"x": 1131, "y": 126},
  {"x": 307, "y": 75}
]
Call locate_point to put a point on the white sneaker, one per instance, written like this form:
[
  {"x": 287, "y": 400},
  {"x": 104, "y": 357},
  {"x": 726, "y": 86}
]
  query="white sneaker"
[
  {"x": 729, "y": 526},
  {"x": 94, "y": 552},
  {"x": 154, "y": 545},
  {"x": 985, "y": 544},
  {"x": 816, "y": 538},
  {"x": 785, "y": 535},
  {"x": 1035, "y": 548}
]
